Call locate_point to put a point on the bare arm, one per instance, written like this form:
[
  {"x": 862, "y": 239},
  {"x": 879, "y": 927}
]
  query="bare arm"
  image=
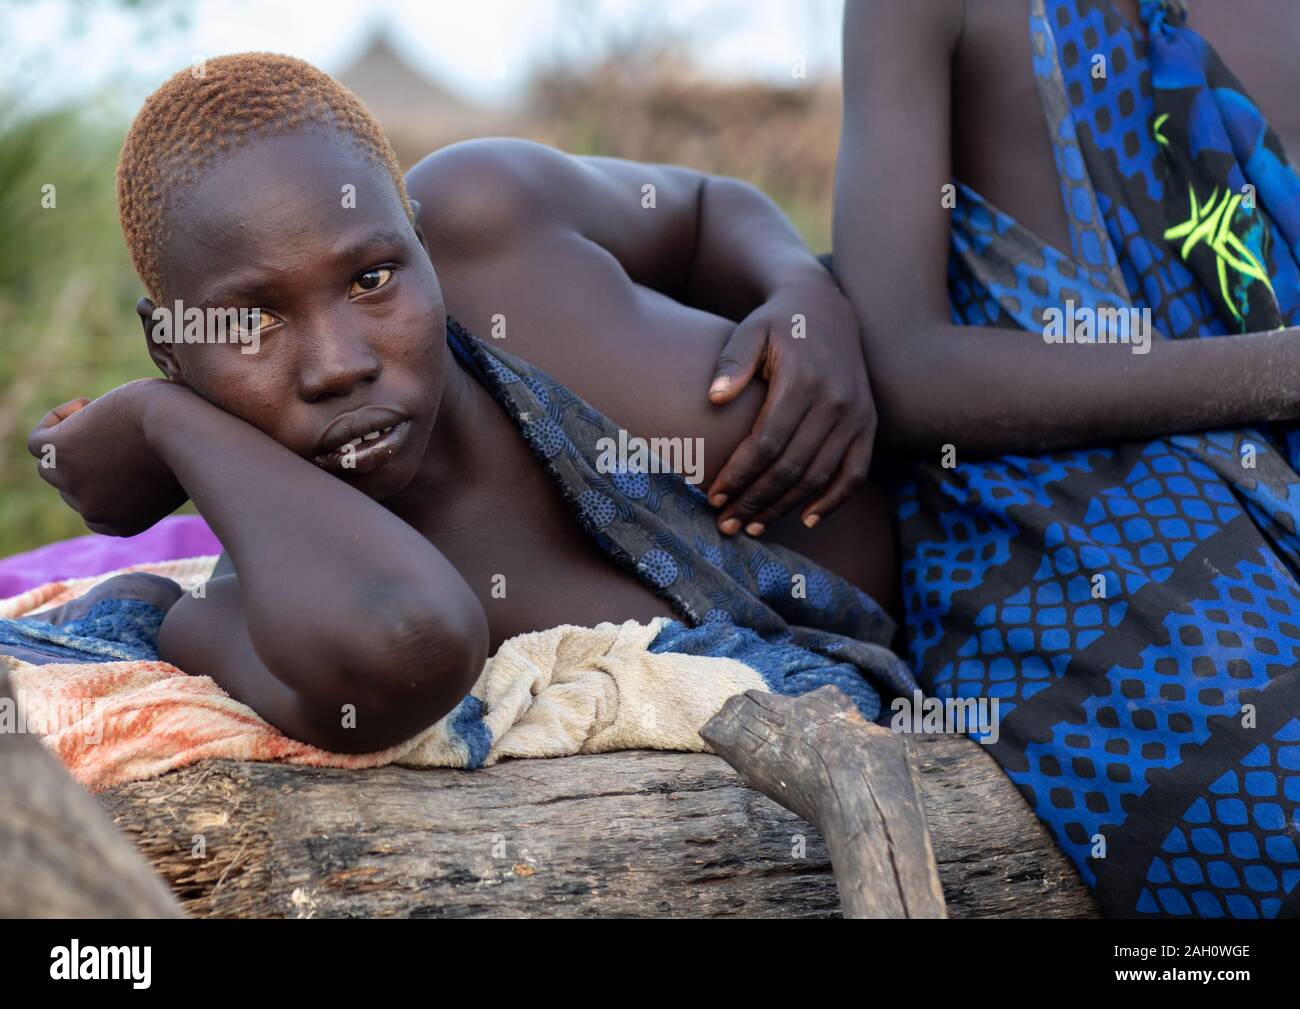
[
  {"x": 713, "y": 243},
  {"x": 337, "y": 601},
  {"x": 708, "y": 241},
  {"x": 743, "y": 254},
  {"x": 983, "y": 389}
]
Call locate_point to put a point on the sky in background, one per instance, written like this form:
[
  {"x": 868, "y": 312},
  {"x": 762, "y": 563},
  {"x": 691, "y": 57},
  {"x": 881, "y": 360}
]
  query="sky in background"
[{"x": 53, "y": 51}]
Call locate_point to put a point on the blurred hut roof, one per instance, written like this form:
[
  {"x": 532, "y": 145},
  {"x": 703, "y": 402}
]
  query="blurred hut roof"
[{"x": 417, "y": 112}]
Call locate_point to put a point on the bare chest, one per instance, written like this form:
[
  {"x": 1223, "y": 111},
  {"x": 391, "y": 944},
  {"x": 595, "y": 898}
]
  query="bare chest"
[
  {"x": 514, "y": 540},
  {"x": 645, "y": 361}
]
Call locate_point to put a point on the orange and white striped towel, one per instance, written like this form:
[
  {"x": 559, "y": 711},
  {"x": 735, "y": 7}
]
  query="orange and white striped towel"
[{"x": 556, "y": 692}]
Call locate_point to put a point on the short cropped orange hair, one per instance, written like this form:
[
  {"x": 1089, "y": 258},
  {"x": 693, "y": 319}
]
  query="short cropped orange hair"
[{"x": 213, "y": 107}]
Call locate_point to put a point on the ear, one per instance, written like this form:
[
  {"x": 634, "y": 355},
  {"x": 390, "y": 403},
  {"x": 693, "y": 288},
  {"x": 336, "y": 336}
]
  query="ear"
[
  {"x": 419, "y": 231},
  {"x": 163, "y": 352}
]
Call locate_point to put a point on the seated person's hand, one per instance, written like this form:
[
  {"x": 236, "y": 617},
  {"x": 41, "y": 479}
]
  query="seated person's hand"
[
  {"x": 96, "y": 455},
  {"x": 811, "y": 443}
]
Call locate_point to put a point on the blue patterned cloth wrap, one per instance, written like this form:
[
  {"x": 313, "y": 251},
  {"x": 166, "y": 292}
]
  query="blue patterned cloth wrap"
[{"x": 1135, "y": 608}]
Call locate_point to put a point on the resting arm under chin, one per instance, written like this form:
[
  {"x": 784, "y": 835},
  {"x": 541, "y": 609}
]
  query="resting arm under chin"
[{"x": 337, "y": 601}]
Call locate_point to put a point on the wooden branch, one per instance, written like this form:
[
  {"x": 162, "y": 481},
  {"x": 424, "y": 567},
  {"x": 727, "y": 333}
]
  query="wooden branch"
[
  {"x": 60, "y": 856},
  {"x": 859, "y": 784}
]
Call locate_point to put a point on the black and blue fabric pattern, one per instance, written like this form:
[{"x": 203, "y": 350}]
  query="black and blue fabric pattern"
[
  {"x": 1135, "y": 608},
  {"x": 112, "y": 630}
]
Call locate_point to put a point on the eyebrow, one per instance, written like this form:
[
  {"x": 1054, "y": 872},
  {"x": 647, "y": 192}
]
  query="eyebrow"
[
  {"x": 356, "y": 249},
  {"x": 257, "y": 287}
]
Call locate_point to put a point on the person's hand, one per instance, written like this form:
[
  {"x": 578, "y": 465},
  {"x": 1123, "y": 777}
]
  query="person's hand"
[
  {"x": 812, "y": 440},
  {"x": 94, "y": 453}
]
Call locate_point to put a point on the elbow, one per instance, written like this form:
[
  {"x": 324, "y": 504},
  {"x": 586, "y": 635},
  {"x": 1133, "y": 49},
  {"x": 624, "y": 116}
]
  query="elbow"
[{"x": 385, "y": 683}]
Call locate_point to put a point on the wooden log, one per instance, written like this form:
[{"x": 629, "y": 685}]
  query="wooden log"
[
  {"x": 857, "y": 782},
  {"x": 60, "y": 856},
  {"x": 633, "y": 833},
  {"x": 996, "y": 858}
]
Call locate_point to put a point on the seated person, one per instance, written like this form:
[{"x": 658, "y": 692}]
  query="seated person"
[
  {"x": 1011, "y": 175},
  {"x": 397, "y": 496}
]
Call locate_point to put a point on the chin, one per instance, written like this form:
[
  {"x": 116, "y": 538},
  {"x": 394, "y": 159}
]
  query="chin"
[{"x": 399, "y": 473}]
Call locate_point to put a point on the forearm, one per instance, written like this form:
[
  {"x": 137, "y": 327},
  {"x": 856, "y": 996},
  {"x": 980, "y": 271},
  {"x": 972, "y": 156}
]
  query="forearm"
[
  {"x": 988, "y": 391},
  {"x": 991, "y": 391},
  {"x": 329, "y": 578},
  {"x": 713, "y": 242},
  {"x": 745, "y": 249}
]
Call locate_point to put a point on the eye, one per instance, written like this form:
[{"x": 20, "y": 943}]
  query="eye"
[
  {"x": 257, "y": 320},
  {"x": 371, "y": 280}
]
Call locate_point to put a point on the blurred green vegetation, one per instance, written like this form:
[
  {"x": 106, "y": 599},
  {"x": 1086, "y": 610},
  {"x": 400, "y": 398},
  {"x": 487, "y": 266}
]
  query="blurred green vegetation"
[{"x": 67, "y": 296}]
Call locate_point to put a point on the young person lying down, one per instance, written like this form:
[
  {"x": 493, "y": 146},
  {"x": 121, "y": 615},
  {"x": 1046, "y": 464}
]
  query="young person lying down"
[{"x": 398, "y": 491}]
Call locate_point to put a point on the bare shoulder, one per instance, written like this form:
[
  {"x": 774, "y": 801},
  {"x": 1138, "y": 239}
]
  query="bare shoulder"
[{"x": 480, "y": 194}]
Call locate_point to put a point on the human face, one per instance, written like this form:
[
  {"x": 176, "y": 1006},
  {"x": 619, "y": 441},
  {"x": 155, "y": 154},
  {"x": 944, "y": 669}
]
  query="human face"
[{"x": 352, "y": 338}]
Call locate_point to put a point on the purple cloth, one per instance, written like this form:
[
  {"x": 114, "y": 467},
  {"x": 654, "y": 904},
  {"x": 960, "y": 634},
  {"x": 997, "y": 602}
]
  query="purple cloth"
[{"x": 171, "y": 539}]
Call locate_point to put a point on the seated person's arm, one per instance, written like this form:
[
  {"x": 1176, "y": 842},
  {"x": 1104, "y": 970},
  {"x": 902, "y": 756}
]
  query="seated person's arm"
[
  {"x": 713, "y": 243},
  {"x": 337, "y": 601},
  {"x": 983, "y": 389}
]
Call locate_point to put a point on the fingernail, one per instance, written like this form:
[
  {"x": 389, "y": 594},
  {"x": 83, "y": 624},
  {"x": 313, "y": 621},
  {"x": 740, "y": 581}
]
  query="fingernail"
[
  {"x": 755, "y": 528},
  {"x": 811, "y": 520},
  {"x": 730, "y": 527},
  {"x": 718, "y": 500},
  {"x": 719, "y": 384}
]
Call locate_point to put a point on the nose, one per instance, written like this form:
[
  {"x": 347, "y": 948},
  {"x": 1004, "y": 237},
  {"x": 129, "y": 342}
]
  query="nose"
[{"x": 334, "y": 362}]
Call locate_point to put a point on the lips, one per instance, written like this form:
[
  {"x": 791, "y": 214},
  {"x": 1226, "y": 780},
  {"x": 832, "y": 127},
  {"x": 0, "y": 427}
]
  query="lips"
[{"x": 361, "y": 441}]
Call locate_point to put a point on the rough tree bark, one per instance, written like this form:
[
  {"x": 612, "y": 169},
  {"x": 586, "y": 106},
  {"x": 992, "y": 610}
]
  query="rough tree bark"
[{"x": 632, "y": 833}]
